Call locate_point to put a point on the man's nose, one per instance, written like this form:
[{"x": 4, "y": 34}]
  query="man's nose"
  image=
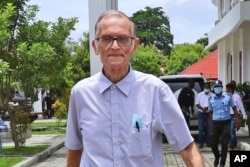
[{"x": 115, "y": 43}]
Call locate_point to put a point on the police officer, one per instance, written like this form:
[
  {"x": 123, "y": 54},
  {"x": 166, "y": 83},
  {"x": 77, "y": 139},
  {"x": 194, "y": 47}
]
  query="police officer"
[{"x": 219, "y": 105}]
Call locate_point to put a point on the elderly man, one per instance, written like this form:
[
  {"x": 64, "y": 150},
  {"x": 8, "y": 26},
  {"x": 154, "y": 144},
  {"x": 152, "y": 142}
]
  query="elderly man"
[{"x": 117, "y": 116}]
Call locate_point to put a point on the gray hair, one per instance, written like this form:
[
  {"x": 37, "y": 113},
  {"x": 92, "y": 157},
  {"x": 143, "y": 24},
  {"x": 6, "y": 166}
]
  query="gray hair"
[{"x": 113, "y": 13}]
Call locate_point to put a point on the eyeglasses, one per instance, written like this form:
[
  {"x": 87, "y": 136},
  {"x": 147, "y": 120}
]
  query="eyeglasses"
[{"x": 123, "y": 41}]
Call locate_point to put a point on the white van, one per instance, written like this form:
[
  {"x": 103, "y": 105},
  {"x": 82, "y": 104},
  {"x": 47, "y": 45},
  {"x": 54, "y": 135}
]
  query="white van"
[{"x": 177, "y": 82}]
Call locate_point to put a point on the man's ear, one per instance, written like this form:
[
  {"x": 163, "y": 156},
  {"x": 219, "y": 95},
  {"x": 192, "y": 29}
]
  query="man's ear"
[
  {"x": 95, "y": 47},
  {"x": 136, "y": 44}
]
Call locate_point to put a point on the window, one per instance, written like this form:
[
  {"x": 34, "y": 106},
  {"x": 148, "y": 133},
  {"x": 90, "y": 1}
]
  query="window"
[
  {"x": 240, "y": 67},
  {"x": 229, "y": 66}
]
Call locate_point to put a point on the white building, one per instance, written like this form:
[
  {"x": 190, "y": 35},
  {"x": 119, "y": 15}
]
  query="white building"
[{"x": 231, "y": 34}]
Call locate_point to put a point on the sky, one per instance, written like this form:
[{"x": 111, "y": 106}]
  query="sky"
[{"x": 189, "y": 19}]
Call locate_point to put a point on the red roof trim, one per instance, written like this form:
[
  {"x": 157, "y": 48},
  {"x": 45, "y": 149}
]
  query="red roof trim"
[{"x": 208, "y": 66}]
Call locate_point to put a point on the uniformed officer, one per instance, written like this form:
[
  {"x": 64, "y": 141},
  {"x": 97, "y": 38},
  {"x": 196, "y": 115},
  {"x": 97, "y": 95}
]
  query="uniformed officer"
[{"x": 219, "y": 105}]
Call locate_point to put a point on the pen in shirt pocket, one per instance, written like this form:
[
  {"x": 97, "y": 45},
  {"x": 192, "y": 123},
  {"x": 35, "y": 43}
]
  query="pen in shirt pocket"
[{"x": 137, "y": 126}]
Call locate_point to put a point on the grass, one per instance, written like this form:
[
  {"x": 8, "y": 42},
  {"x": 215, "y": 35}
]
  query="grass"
[
  {"x": 10, "y": 161},
  {"x": 10, "y": 156},
  {"x": 27, "y": 150},
  {"x": 50, "y": 128},
  {"x": 48, "y": 124}
]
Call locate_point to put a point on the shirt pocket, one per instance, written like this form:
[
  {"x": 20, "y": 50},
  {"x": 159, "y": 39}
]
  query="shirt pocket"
[
  {"x": 225, "y": 106},
  {"x": 140, "y": 143}
]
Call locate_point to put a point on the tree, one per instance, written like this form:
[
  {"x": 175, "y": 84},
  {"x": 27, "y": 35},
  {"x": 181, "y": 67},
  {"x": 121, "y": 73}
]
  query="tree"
[
  {"x": 81, "y": 59},
  {"x": 148, "y": 59},
  {"x": 35, "y": 48},
  {"x": 152, "y": 27},
  {"x": 6, "y": 13},
  {"x": 36, "y": 51},
  {"x": 204, "y": 42},
  {"x": 184, "y": 55}
]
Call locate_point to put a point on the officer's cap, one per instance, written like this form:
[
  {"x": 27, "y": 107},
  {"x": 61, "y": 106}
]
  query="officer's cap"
[{"x": 218, "y": 83}]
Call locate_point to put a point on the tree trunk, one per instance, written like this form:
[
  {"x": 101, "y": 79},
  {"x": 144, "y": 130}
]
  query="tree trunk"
[{"x": 13, "y": 126}]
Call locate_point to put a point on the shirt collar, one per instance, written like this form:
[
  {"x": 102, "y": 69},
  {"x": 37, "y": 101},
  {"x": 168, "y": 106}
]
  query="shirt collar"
[{"x": 124, "y": 85}]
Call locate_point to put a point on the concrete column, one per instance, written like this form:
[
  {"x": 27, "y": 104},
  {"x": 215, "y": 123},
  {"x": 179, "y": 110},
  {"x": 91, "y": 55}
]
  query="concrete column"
[
  {"x": 96, "y": 7},
  {"x": 219, "y": 7}
]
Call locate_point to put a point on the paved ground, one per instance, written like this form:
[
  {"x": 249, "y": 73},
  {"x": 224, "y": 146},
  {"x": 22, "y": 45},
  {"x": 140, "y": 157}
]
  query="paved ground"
[{"x": 55, "y": 155}]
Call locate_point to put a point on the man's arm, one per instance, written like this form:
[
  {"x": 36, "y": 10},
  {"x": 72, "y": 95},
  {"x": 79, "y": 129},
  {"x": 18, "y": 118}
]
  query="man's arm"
[
  {"x": 237, "y": 121},
  {"x": 241, "y": 107},
  {"x": 191, "y": 156},
  {"x": 180, "y": 98},
  {"x": 193, "y": 102},
  {"x": 74, "y": 158}
]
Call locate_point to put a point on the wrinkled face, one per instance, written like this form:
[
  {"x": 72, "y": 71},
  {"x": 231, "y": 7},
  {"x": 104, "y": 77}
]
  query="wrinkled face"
[{"x": 114, "y": 55}]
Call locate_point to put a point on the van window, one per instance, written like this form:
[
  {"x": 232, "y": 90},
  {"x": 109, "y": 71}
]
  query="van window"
[{"x": 176, "y": 84}]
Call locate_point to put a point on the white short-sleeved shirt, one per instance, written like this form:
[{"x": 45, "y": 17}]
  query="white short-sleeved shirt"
[
  {"x": 202, "y": 99},
  {"x": 102, "y": 116},
  {"x": 239, "y": 105}
]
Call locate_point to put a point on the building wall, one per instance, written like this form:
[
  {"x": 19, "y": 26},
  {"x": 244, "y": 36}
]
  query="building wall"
[
  {"x": 232, "y": 36},
  {"x": 246, "y": 51},
  {"x": 231, "y": 67}
]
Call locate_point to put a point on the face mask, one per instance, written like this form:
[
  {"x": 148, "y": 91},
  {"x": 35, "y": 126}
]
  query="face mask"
[
  {"x": 206, "y": 90},
  {"x": 217, "y": 90}
]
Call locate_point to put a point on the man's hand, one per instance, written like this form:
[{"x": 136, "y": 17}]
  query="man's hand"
[
  {"x": 237, "y": 122},
  {"x": 184, "y": 110},
  {"x": 205, "y": 109}
]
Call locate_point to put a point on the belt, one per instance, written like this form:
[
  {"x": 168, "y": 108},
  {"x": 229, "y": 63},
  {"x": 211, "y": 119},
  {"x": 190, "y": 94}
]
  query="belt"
[
  {"x": 228, "y": 120},
  {"x": 204, "y": 112}
]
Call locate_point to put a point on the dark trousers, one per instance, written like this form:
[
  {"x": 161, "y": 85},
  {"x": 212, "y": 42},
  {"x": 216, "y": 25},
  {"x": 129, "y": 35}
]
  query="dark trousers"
[
  {"x": 220, "y": 132},
  {"x": 204, "y": 128},
  {"x": 186, "y": 114},
  {"x": 233, "y": 139}
]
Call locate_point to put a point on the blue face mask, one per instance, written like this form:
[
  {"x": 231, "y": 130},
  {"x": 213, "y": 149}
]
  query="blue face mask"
[{"x": 217, "y": 90}]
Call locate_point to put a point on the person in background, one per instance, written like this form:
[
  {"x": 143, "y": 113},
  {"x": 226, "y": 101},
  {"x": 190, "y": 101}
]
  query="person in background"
[
  {"x": 49, "y": 100},
  {"x": 246, "y": 101},
  {"x": 3, "y": 125},
  {"x": 17, "y": 95},
  {"x": 117, "y": 116},
  {"x": 186, "y": 100},
  {"x": 230, "y": 88},
  {"x": 43, "y": 95},
  {"x": 233, "y": 82},
  {"x": 219, "y": 105},
  {"x": 203, "y": 115},
  {"x": 3, "y": 128}
]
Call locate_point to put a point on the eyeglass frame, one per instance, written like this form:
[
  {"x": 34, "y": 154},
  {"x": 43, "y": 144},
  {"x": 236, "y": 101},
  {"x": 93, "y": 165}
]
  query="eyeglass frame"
[{"x": 115, "y": 38}]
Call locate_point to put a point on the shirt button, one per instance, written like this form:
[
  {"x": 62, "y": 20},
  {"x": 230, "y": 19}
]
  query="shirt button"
[
  {"x": 116, "y": 141},
  {"x": 116, "y": 163},
  {"x": 114, "y": 102},
  {"x": 113, "y": 86}
]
